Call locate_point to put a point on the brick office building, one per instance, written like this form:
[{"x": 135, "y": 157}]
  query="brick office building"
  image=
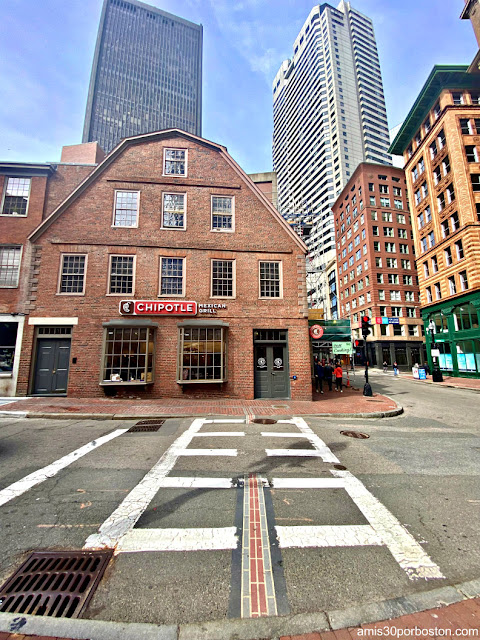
[
  {"x": 376, "y": 264},
  {"x": 440, "y": 140},
  {"x": 29, "y": 192},
  {"x": 167, "y": 272}
]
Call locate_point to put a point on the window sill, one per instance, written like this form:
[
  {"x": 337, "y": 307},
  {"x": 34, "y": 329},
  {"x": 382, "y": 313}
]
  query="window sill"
[
  {"x": 115, "y": 383},
  {"x": 4, "y": 374},
  {"x": 201, "y": 381}
]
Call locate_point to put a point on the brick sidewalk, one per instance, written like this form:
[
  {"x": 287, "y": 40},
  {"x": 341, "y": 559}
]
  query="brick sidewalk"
[{"x": 349, "y": 402}]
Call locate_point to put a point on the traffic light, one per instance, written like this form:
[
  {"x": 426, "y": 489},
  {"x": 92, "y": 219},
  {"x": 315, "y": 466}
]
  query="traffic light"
[
  {"x": 366, "y": 326},
  {"x": 358, "y": 344}
]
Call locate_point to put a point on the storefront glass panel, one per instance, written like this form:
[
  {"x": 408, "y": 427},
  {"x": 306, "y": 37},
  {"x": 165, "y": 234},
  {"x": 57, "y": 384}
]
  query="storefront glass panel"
[
  {"x": 202, "y": 356},
  {"x": 445, "y": 358},
  {"x": 466, "y": 356},
  {"x": 8, "y": 338},
  {"x": 128, "y": 355}
]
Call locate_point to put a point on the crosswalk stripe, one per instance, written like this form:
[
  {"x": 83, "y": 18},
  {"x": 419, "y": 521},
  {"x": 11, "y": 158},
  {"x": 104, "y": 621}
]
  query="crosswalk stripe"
[
  {"x": 171, "y": 482},
  {"x": 308, "y": 483},
  {"x": 208, "y": 452},
  {"x": 188, "y": 539},
  {"x": 279, "y": 434},
  {"x": 327, "y": 536},
  {"x": 304, "y": 453},
  {"x": 222, "y": 434}
]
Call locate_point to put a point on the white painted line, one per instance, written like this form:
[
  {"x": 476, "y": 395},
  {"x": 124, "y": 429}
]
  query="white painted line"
[
  {"x": 123, "y": 519},
  {"x": 279, "y": 434},
  {"x": 17, "y": 488},
  {"x": 171, "y": 482},
  {"x": 308, "y": 483},
  {"x": 222, "y": 434},
  {"x": 401, "y": 544},
  {"x": 301, "y": 453},
  {"x": 208, "y": 452},
  {"x": 325, "y": 453},
  {"x": 285, "y": 422},
  {"x": 328, "y": 536},
  {"x": 226, "y": 421},
  {"x": 178, "y": 540}
]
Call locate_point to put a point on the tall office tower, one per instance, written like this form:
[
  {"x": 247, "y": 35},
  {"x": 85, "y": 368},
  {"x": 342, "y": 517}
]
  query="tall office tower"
[
  {"x": 329, "y": 116},
  {"x": 146, "y": 74}
]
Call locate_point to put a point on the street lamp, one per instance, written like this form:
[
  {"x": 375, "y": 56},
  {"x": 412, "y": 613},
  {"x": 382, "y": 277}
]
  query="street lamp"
[{"x": 436, "y": 373}]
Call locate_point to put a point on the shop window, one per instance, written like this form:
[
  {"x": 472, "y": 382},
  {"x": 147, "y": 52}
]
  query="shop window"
[
  {"x": 8, "y": 338},
  {"x": 270, "y": 279},
  {"x": 15, "y": 197},
  {"x": 72, "y": 276},
  {"x": 398, "y": 330},
  {"x": 121, "y": 275},
  {"x": 223, "y": 279},
  {"x": 172, "y": 276},
  {"x": 222, "y": 213},
  {"x": 10, "y": 257},
  {"x": 128, "y": 355},
  {"x": 175, "y": 162},
  {"x": 468, "y": 355},
  {"x": 126, "y": 209},
  {"x": 202, "y": 355},
  {"x": 445, "y": 359},
  {"x": 440, "y": 322},
  {"x": 173, "y": 212}
]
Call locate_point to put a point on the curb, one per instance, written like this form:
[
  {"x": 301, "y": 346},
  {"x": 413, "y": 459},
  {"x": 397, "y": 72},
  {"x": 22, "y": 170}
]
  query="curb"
[{"x": 246, "y": 629}]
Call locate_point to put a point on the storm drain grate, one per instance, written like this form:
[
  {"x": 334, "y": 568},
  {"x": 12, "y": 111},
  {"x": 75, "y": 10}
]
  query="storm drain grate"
[
  {"x": 146, "y": 425},
  {"x": 355, "y": 434},
  {"x": 56, "y": 584},
  {"x": 264, "y": 421}
]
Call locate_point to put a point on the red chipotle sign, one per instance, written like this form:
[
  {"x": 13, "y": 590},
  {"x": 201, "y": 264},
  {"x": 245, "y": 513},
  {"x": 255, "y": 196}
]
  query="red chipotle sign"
[{"x": 158, "y": 308}]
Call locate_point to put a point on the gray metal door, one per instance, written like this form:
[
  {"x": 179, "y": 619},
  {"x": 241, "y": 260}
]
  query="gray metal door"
[
  {"x": 271, "y": 371},
  {"x": 51, "y": 368}
]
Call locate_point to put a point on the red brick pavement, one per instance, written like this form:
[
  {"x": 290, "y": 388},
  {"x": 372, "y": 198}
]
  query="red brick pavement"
[
  {"x": 450, "y": 381},
  {"x": 331, "y": 402}
]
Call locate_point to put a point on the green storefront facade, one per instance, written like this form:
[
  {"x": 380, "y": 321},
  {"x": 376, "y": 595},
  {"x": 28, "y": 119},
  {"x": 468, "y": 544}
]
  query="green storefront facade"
[{"x": 456, "y": 340}]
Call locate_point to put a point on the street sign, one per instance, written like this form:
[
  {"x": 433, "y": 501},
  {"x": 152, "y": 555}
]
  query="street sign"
[
  {"x": 435, "y": 353},
  {"x": 341, "y": 348}
]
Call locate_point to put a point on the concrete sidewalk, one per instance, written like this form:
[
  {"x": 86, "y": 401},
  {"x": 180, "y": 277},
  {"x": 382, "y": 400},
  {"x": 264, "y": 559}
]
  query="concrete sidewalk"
[
  {"x": 448, "y": 381},
  {"x": 349, "y": 402}
]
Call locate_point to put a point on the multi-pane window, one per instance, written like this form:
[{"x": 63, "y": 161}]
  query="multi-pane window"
[
  {"x": 445, "y": 229},
  {"x": 459, "y": 249},
  {"x": 387, "y": 216},
  {"x": 397, "y": 312},
  {"x": 372, "y": 201},
  {"x": 402, "y": 233},
  {"x": 452, "y": 286},
  {"x": 406, "y": 264},
  {"x": 128, "y": 355},
  {"x": 398, "y": 204},
  {"x": 10, "y": 257},
  {"x": 434, "y": 264},
  {"x": 463, "y": 280},
  {"x": 466, "y": 126},
  {"x": 121, "y": 274},
  {"x": 222, "y": 213},
  {"x": 472, "y": 153},
  {"x": 373, "y": 215},
  {"x": 385, "y": 202},
  {"x": 173, "y": 212},
  {"x": 393, "y": 278},
  {"x": 270, "y": 280},
  {"x": 428, "y": 291},
  {"x": 171, "y": 276},
  {"x": 222, "y": 278},
  {"x": 390, "y": 247},
  {"x": 391, "y": 263},
  {"x": 126, "y": 209},
  {"x": 388, "y": 231},
  {"x": 409, "y": 296},
  {"x": 15, "y": 199},
  {"x": 72, "y": 276},
  {"x": 426, "y": 270},
  {"x": 175, "y": 162},
  {"x": 454, "y": 221},
  {"x": 381, "y": 294},
  {"x": 408, "y": 280},
  {"x": 202, "y": 355},
  {"x": 375, "y": 231},
  {"x": 438, "y": 291},
  {"x": 423, "y": 244},
  {"x": 448, "y": 256},
  {"x": 441, "y": 139},
  {"x": 431, "y": 240}
]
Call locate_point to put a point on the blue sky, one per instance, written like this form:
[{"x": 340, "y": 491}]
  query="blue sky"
[{"x": 46, "y": 49}]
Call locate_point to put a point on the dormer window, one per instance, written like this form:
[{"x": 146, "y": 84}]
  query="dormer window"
[{"x": 175, "y": 162}]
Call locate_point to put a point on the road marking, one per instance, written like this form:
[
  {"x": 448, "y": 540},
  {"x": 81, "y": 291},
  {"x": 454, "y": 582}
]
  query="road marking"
[
  {"x": 303, "y": 453},
  {"x": 195, "y": 483},
  {"x": 17, "y": 488},
  {"x": 279, "y": 434},
  {"x": 328, "y": 536},
  {"x": 258, "y": 588},
  {"x": 401, "y": 544},
  {"x": 226, "y": 421},
  {"x": 123, "y": 519},
  {"x": 198, "y": 539},
  {"x": 319, "y": 445},
  {"x": 222, "y": 434},
  {"x": 208, "y": 452},
  {"x": 308, "y": 483}
]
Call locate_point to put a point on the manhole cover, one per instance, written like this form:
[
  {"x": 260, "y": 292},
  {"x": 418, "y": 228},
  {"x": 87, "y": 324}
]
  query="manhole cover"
[
  {"x": 355, "y": 434},
  {"x": 54, "y": 584},
  {"x": 264, "y": 421},
  {"x": 146, "y": 425}
]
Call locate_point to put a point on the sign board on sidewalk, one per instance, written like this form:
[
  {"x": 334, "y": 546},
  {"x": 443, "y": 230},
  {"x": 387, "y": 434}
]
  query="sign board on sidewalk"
[
  {"x": 422, "y": 374},
  {"x": 341, "y": 348}
]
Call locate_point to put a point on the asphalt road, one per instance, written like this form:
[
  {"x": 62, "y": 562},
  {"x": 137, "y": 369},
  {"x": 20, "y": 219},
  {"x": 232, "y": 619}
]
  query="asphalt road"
[{"x": 419, "y": 471}]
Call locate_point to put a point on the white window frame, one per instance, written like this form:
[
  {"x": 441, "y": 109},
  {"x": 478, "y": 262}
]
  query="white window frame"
[
  {"x": 4, "y": 194},
  {"x": 121, "y": 255},
  {"x": 184, "y": 266},
  {"x": 13, "y": 246},
  {"x": 121, "y": 226},
  {"x": 234, "y": 278},
  {"x": 280, "y": 273},
  {"x": 174, "y": 193},
  {"x": 60, "y": 274},
  {"x": 178, "y": 175},
  {"x": 217, "y": 229}
]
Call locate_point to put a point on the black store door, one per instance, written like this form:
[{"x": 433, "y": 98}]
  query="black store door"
[
  {"x": 51, "y": 369},
  {"x": 271, "y": 371}
]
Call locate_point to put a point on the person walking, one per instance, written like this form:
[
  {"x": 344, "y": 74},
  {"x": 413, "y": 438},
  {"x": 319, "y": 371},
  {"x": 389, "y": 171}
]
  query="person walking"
[
  {"x": 319, "y": 375},
  {"x": 395, "y": 368},
  {"x": 328, "y": 373},
  {"x": 338, "y": 373},
  {"x": 385, "y": 366}
]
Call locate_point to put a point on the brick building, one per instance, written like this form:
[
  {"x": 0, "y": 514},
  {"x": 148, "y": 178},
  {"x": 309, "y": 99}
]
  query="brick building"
[
  {"x": 29, "y": 192},
  {"x": 167, "y": 272},
  {"x": 376, "y": 264},
  {"x": 440, "y": 140}
]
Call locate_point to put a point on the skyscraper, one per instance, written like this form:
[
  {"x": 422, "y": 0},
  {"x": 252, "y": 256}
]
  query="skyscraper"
[
  {"x": 146, "y": 74},
  {"x": 329, "y": 115}
]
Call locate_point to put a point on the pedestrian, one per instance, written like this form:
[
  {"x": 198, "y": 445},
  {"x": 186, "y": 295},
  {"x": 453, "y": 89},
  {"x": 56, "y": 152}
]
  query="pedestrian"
[
  {"x": 395, "y": 368},
  {"x": 385, "y": 366},
  {"x": 327, "y": 374},
  {"x": 319, "y": 375},
  {"x": 338, "y": 373}
]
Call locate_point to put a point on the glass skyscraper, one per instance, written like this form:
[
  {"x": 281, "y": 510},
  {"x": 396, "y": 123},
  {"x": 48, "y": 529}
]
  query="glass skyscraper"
[
  {"x": 329, "y": 115},
  {"x": 146, "y": 74}
]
